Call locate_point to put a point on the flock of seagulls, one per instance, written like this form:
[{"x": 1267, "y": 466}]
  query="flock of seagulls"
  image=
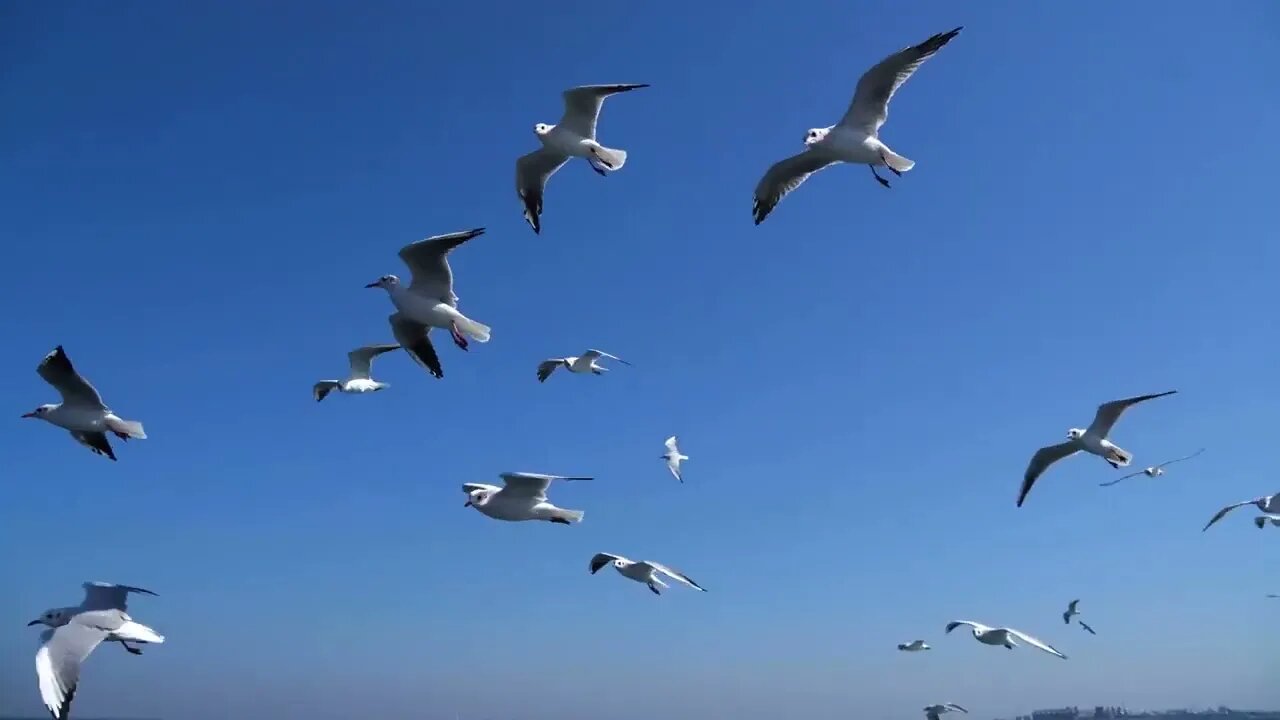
[{"x": 429, "y": 302}]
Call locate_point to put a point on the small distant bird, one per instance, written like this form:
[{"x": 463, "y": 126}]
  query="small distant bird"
[
  {"x": 81, "y": 411},
  {"x": 1085, "y": 625},
  {"x": 856, "y": 139},
  {"x": 673, "y": 457},
  {"x": 1153, "y": 471},
  {"x": 644, "y": 571},
  {"x": 1071, "y": 611},
  {"x": 575, "y": 136},
  {"x": 585, "y": 363},
  {"x": 522, "y": 497},
  {"x": 1268, "y": 504},
  {"x": 1092, "y": 440},
  {"x": 1272, "y": 595},
  {"x": 75, "y": 632},
  {"x": 1262, "y": 520},
  {"x": 361, "y": 360},
  {"x": 914, "y": 646},
  {"x": 933, "y": 712},
  {"x": 429, "y": 301},
  {"x": 1002, "y": 636}
]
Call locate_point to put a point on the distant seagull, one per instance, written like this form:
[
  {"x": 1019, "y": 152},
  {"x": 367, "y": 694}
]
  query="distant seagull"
[
  {"x": 523, "y": 497},
  {"x": 914, "y": 646},
  {"x": 1273, "y": 595},
  {"x": 75, "y": 632},
  {"x": 429, "y": 301},
  {"x": 1002, "y": 636},
  {"x": 81, "y": 411},
  {"x": 1262, "y": 520},
  {"x": 1085, "y": 625},
  {"x": 359, "y": 381},
  {"x": 575, "y": 136},
  {"x": 1071, "y": 611},
  {"x": 673, "y": 457},
  {"x": 1153, "y": 471},
  {"x": 1091, "y": 440},
  {"x": 933, "y": 712},
  {"x": 586, "y": 363},
  {"x": 856, "y": 139},
  {"x": 1268, "y": 504},
  {"x": 645, "y": 571}
]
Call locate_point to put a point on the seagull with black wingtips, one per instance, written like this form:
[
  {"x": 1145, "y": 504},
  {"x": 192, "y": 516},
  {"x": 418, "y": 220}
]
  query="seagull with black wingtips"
[
  {"x": 1153, "y": 471},
  {"x": 81, "y": 412},
  {"x": 360, "y": 380},
  {"x": 642, "y": 571},
  {"x": 587, "y": 362},
  {"x": 1268, "y": 504}
]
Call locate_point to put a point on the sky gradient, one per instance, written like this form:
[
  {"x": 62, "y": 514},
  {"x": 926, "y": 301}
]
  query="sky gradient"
[{"x": 194, "y": 197}]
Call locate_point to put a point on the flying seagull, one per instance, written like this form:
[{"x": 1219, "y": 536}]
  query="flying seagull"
[
  {"x": 856, "y": 139},
  {"x": 429, "y": 301},
  {"x": 645, "y": 571},
  {"x": 1085, "y": 625},
  {"x": 914, "y": 646},
  {"x": 1262, "y": 520},
  {"x": 1153, "y": 471},
  {"x": 1273, "y": 595},
  {"x": 522, "y": 497},
  {"x": 673, "y": 457},
  {"x": 1002, "y": 636},
  {"x": 1268, "y": 504},
  {"x": 1071, "y": 611},
  {"x": 582, "y": 364},
  {"x": 575, "y": 136},
  {"x": 1091, "y": 440},
  {"x": 73, "y": 634},
  {"x": 359, "y": 381},
  {"x": 933, "y": 712},
  {"x": 81, "y": 411}
]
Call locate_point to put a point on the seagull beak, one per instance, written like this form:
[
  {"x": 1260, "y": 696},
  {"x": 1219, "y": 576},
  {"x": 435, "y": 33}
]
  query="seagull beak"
[
  {"x": 27, "y": 415},
  {"x": 372, "y": 284},
  {"x": 468, "y": 504},
  {"x": 33, "y": 622}
]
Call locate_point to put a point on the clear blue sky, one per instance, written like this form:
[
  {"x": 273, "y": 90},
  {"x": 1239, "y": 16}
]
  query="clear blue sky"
[{"x": 194, "y": 198}]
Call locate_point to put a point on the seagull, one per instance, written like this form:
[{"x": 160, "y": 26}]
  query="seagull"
[
  {"x": 856, "y": 139},
  {"x": 1268, "y": 504},
  {"x": 429, "y": 301},
  {"x": 359, "y": 381},
  {"x": 583, "y": 364},
  {"x": 81, "y": 411},
  {"x": 1262, "y": 520},
  {"x": 1273, "y": 596},
  {"x": 934, "y": 711},
  {"x": 1091, "y": 440},
  {"x": 1071, "y": 611},
  {"x": 673, "y": 457},
  {"x": 575, "y": 136},
  {"x": 1002, "y": 636},
  {"x": 1153, "y": 471},
  {"x": 914, "y": 646},
  {"x": 1085, "y": 625},
  {"x": 645, "y": 571},
  {"x": 74, "y": 633},
  {"x": 522, "y": 497}
]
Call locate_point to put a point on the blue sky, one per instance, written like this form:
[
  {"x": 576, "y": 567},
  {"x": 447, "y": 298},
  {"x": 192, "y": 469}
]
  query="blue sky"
[{"x": 195, "y": 196}]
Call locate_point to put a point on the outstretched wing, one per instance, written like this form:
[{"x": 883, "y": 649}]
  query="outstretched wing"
[
  {"x": 674, "y": 575},
  {"x": 321, "y": 390},
  {"x": 1221, "y": 513},
  {"x": 57, "y": 370},
  {"x": 361, "y": 359},
  {"x": 1034, "y": 642},
  {"x": 783, "y": 177},
  {"x": 62, "y": 651},
  {"x": 582, "y": 106},
  {"x": 1188, "y": 457},
  {"x": 548, "y": 366},
  {"x": 522, "y": 484},
  {"x": 413, "y": 338},
  {"x": 593, "y": 354},
  {"x": 975, "y": 625},
  {"x": 954, "y": 706},
  {"x": 532, "y": 172},
  {"x": 870, "y": 106},
  {"x": 599, "y": 560},
  {"x": 1085, "y": 625},
  {"x": 95, "y": 441},
  {"x": 1109, "y": 412},
  {"x": 108, "y": 596},
  {"x": 1040, "y": 462},
  {"x": 428, "y": 260}
]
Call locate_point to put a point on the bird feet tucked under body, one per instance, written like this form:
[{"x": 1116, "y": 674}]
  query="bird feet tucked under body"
[
  {"x": 560, "y": 521},
  {"x": 132, "y": 650},
  {"x": 879, "y": 179}
]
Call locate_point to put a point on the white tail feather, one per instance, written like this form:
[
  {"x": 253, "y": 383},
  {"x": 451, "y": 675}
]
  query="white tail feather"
[
  {"x": 137, "y": 632},
  {"x": 612, "y": 159},
  {"x": 478, "y": 331},
  {"x": 570, "y": 515},
  {"x": 132, "y": 428},
  {"x": 896, "y": 161}
]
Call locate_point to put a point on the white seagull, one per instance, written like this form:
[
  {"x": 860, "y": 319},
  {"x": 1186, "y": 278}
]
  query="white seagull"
[
  {"x": 361, "y": 360},
  {"x": 856, "y": 139},
  {"x": 1268, "y": 504},
  {"x": 81, "y": 411},
  {"x": 1002, "y": 636},
  {"x": 575, "y": 136},
  {"x": 933, "y": 712},
  {"x": 522, "y": 497},
  {"x": 1262, "y": 520},
  {"x": 1091, "y": 440},
  {"x": 673, "y": 457},
  {"x": 914, "y": 646},
  {"x": 585, "y": 363},
  {"x": 1071, "y": 611},
  {"x": 429, "y": 301},
  {"x": 1153, "y": 471},
  {"x": 75, "y": 632},
  {"x": 644, "y": 571}
]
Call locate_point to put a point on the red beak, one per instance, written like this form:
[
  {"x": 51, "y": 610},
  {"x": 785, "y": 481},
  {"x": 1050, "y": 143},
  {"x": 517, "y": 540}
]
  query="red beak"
[{"x": 30, "y": 414}]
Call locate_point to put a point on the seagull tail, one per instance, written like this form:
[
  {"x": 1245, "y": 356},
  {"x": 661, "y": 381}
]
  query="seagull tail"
[
  {"x": 896, "y": 161},
  {"x": 572, "y": 516},
  {"x": 612, "y": 158},
  {"x": 132, "y": 428},
  {"x": 478, "y": 331},
  {"x": 137, "y": 632}
]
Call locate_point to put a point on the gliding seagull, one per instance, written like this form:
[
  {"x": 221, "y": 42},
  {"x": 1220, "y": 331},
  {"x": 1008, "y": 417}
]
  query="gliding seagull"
[
  {"x": 933, "y": 712},
  {"x": 673, "y": 457},
  {"x": 360, "y": 360},
  {"x": 81, "y": 411},
  {"x": 914, "y": 646},
  {"x": 522, "y": 497},
  {"x": 1153, "y": 471},
  {"x": 1085, "y": 625},
  {"x": 586, "y": 363},
  {"x": 1002, "y": 636},
  {"x": 645, "y": 571},
  {"x": 1268, "y": 504}
]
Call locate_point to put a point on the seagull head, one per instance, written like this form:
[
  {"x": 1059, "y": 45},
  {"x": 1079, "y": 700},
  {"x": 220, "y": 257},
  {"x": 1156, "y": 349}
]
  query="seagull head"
[
  {"x": 386, "y": 281},
  {"x": 1075, "y": 434},
  {"x": 815, "y": 135},
  {"x": 52, "y": 618},
  {"x": 476, "y": 498},
  {"x": 1153, "y": 471},
  {"x": 39, "y": 412},
  {"x": 541, "y": 129}
]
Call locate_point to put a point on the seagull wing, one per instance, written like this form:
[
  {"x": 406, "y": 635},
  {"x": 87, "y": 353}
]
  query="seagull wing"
[
  {"x": 95, "y": 441},
  {"x": 671, "y": 445},
  {"x": 322, "y": 389},
  {"x": 870, "y": 106},
  {"x": 1085, "y": 625},
  {"x": 673, "y": 464},
  {"x": 674, "y": 575},
  {"x": 413, "y": 337},
  {"x": 1178, "y": 460},
  {"x": 1224, "y": 511},
  {"x": 785, "y": 176},
  {"x": 1071, "y": 606},
  {"x": 548, "y": 366},
  {"x": 582, "y": 106},
  {"x": 108, "y": 596},
  {"x": 1040, "y": 462},
  {"x": 1126, "y": 477},
  {"x": 954, "y": 706},
  {"x": 521, "y": 484},
  {"x": 593, "y": 354},
  {"x": 62, "y": 651},
  {"x": 932, "y": 714},
  {"x": 1109, "y": 412},
  {"x": 975, "y": 625},
  {"x": 1033, "y": 641},
  {"x": 599, "y": 560},
  {"x": 361, "y": 359},
  {"x": 428, "y": 260},
  {"x": 57, "y": 370},
  {"x": 532, "y": 172}
]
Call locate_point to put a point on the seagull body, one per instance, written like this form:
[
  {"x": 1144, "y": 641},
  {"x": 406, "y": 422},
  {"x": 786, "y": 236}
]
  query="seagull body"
[
  {"x": 361, "y": 360},
  {"x": 1153, "y": 471},
  {"x": 933, "y": 712},
  {"x": 1262, "y": 520},
  {"x": 73, "y": 634},
  {"x": 575, "y": 136},
  {"x": 585, "y": 363},
  {"x": 522, "y": 497},
  {"x": 644, "y": 571},
  {"x": 673, "y": 457},
  {"x": 1002, "y": 636},
  {"x": 429, "y": 301},
  {"x": 81, "y": 412},
  {"x": 856, "y": 139},
  {"x": 1085, "y": 625},
  {"x": 1071, "y": 612},
  {"x": 914, "y": 646},
  {"x": 1268, "y": 504},
  {"x": 1092, "y": 440}
]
